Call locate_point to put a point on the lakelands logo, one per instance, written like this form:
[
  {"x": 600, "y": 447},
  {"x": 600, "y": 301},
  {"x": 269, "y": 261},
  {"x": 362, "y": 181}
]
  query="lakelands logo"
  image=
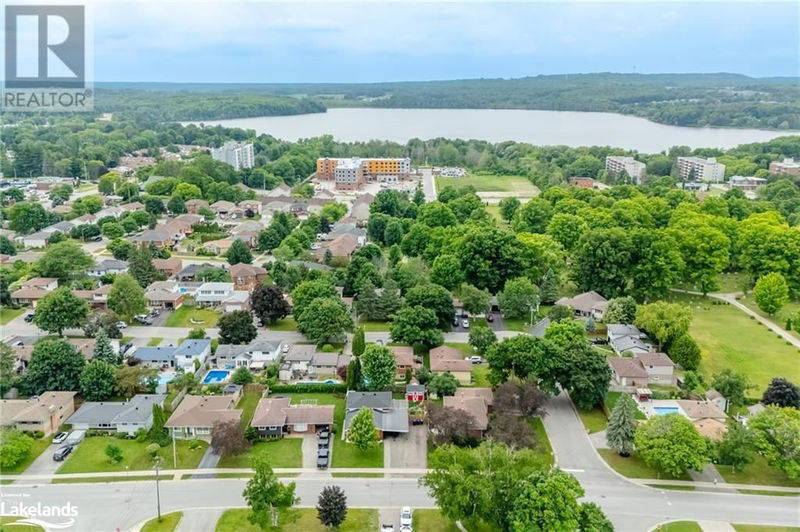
[
  {"x": 46, "y": 67},
  {"x": 49, "y": 517}
]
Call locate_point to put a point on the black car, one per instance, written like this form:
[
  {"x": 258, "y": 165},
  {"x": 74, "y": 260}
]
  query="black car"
[
  {"x": 62, "y": 453},
  {"x": 29, "y": 318},
  {"x": 490, "y": 317}
]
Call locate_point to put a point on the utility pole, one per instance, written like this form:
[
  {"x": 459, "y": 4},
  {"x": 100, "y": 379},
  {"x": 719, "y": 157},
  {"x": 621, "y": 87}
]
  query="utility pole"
[
  {"x": 158, "y": 492},
  {"x": 174, "y": 453}
]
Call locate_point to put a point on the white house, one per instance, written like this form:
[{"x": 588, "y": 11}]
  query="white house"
[
  {"x": 627, "y": 338},
  {"x": 108, "y": 267},
  {"x": 117, "y": 416},
  {"x": 217, "y": 294},
  {"x": 256, "y": 355}
]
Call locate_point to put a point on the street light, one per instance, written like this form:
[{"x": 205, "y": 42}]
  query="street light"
[{"x": 158, "y": 492}]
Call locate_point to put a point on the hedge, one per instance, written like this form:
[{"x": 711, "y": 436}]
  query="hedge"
[{"x": 308, "y": 388}]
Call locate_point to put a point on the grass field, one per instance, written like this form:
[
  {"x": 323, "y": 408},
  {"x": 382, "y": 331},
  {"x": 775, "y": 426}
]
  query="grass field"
[
  {"x": 155, "y": 342},
  {"x": 634, "y": 467},
  {"x": 248, "y": 404},
  {"x": 433, "y": 521},
  {"x": 7, "y": 314},
  {"x": 594, "y": 420},
  {"x": 299, "y": 520},
  {"x": 90, "y": 456},
  {"x": 375, "y": 326},
  {"x": 286, "y": 452},
  {"x": 765, "y": 528},
  {"x": 728, "y": 338},
  {"x": 789, "y": 310},
  {"x": 490, "y": 183},
  {"x": 168, "y": 523},
  {"x": 544, "y": 448},
  {"x": 286, "y": 324},
  {"x": 183, "y": 316},
  {"x": 681, "y": 526},
  {"x": 5, "y": 520},
  {"x": 759, "y": 472},
  {"x": 37, "y": 448}
]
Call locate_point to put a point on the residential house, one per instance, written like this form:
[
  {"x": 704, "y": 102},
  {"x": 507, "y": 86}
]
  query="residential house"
[
  {"x": 275, "y": 418},
  {"x": 33, "y": 290},
  {"x": 28, "y": 257},
  {"x": 35, "y": 240},
  {"x": 45, "y": 413},
  {"x": 360, "y": 209},
  {"x": 222, "y": 295},
  {"x": 218, "y": 247},
  {"x": 168, "y": 267},
  {"x": 273, "y": 205},
  {"x": 117, "y": 416},
  {"x": 191, "y": 219},
  {"x": 390, "y": 415},
  {"x": 132, "y": 206},
  {"x": 108, "y": 267},
  {"x": 582, "y": 182},
  {"x": 97, "y": 297},
  {"x": 164, "y": 295},
  {"x": 256, "y": 355},
  {"x": 84, "y": 219},
  {"x": 193, "y": 206},
  {"x": 713, "y": 429},
  {"x": 177, "y": 229},
  {"x": 327, "y": 363},
  {"x": 642, "y": 369},
  {"x": 246, "y": 276},
  {"x": 340, "y": 228},
  {"x": 282, "y": 190},
  {"x": 250, "y": 205},
  {"x": 625, "y": 338},
  {"x": 404, "y": 360},
  {"x": 587, "y": 304},
  {"x": 189, "y": 272},
  {"x": 181, "y": 357},
  {"x": 196, "y": 415},
  {"x": 223, "y": 209},
  {"x": 296, "y": 361},
  {"x": 474, "y": 404},
  {"x": 247, "y": 227},
  {"x": 154, "y": 237},
  {"x": 716, "y": 398},
  {"x": 155, "y": 357},
  {"x": 449, "y": 359},
  {"x": 340, "y": 247}
]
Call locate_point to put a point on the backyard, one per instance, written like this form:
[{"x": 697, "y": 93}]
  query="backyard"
[
  {"x": 490, "y": 183},
  {"x": 90, "y": 456},
  {"x": 192, "y": 317},
  {"x": 298, "y": 520},
  {"x": 286, "y": 324}
]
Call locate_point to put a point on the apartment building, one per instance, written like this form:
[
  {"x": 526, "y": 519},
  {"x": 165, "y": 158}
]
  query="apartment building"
[
  {"x": 237, "y": 154},
  {"x": 349, "y": 174},
  {"x": 787, "y": 166},
  {"x": 700, "y": 169},
  {"x": 616, "y": 164}
]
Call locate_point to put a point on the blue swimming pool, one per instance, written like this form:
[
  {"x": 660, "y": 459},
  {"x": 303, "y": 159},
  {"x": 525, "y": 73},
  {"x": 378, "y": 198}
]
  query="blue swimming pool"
[
  {"x": 664, "y": 410},
  {"x": 216, "y": 375}
]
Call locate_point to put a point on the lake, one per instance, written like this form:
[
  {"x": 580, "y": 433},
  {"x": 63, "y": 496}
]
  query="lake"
[{"x": 497, "y": 125}]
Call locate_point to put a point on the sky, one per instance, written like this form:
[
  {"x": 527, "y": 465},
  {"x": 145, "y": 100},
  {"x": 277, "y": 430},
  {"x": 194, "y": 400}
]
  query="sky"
[{"x": 370, "y": 41}]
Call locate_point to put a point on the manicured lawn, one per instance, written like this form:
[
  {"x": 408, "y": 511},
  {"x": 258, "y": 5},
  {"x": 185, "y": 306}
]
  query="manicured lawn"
[
  {"x": 728, "y": 338},
  {"x": 764, "y": 528},
  {"x": 7, "y": 314},
  {"x": 248, "y": 404},
  {"x": 155, "y": 342},
  {"x": 90, "y": 456},
  {"x": 634, "y": 467},
  {"x": 490, "y": 183},
  {"x": 37, "y": 448},
  {"x": 322, "y": 399},
  {"x": 168, "y": 523},
  {"x": 480, "y": 375},
  {"x": 672, "y": 487},
  {"x": 681, "y": 526},
  {"x": 299, "y": 520},
  {"x": 17, "y": 528},
  {"x": 348, "y": 455},
  {"x": 759, "y": 472},
  {"x": 433, "y": 521},
  {"x": 183, "y": 316},
  {"x": 543, "y": 448},
  {"x": 125, "y": 339},
  {"x": 789, "y": 310},
  {"x": 516, "y": 325},
  {"x": 594, "y": 420},
  {"x": 611, "y": 400},
  {"x": 375, "y": 326},
  {"x": 286, "y": 324},
  {"x": 286, "y": 452}
]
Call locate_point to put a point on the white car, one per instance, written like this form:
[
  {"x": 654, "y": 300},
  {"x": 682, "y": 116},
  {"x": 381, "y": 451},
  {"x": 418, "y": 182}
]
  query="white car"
[
  {"x": 121, "y": 325},
  {"x": 60, "y": 437},
  {"x": 465, "y": 324},
  {"x": 405, "y": 518},
  {"x": 285, "y": 348},
  {"x": 475, "y": 359}
]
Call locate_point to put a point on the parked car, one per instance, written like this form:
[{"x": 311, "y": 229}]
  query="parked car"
[
  {"x": 455, "y": 321},
  {"x": 475, "y": 359},
  {"x": 465, "y": 323},
  {"x": 405, "y": 517},
  {"x": 29, "y": 318},
  {"x": 323, "y": 443},
  {"x": 599, "y": 341},
  {"x": 155, "y": 312},
  {"x": 285, "y": 348},
  {"x": 322, "y": 459},
  {"x": 60, "y": 437},
  {"x": 121, "y": 325},
  {"x": 62, "y": 453},
  {"x": 97, "y": 238},
  {"x": 143, "y": 319},
  {"x": 387, "y": 528},
  {"x": 490, "y": 317},
  {"x": 125, "y": 347},
  {"x": 324, "y": 433},
  {"x": 417, "y": 421}
]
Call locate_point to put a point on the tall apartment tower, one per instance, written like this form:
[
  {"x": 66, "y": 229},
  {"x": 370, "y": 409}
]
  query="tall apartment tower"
[
  {"x": 616, "y": 164},
  {"x": 237, "y": 154},
  {"x": 701, "y": 169}
]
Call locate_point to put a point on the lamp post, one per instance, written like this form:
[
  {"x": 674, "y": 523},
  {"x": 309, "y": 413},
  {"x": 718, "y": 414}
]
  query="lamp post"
[{"x": 158, "y": 492}]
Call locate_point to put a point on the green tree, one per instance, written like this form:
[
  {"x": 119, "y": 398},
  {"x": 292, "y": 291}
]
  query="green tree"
[
  {"x": 198, "y": 333},
  {"x": 524, "y": 357},
  {"x": 112, "y": 230},
  {"x": 737, "y": 446},
  {"x": 359, "y": 344},
  {"x": 237, "y": 327},
  {"x": 592, "y": 519},
  {"x": 126, "y": 297},
  {"x": 8, "y": 361},
  {"x": 657, "y": 264},
  {"x": 622, "y": 426},
  {"x": 60, "y": 310},
  {"x": 140, "y": 266},
  {"x": 567, "y": 229},
  {"x": 158, "y": 433},
  {"x": 436, "y": 214},
  {"x": 664, "y": 321},
  {"x": 489, "y": 256},
  {"x": 269, "y": 304},
  {"x": 416, "y": 325},
  {"x": 481, "y": 338},
  {"x": 98, "y": 380},
  {"x": 378, "y": 367},
  {"x": 548, "y": 500},
  {"x": 706, "y": 254},
  {"x": 135, "y": 379},
  {"x": 307, "y": 291},
  {"x": 447, "y": 272},
  {"x": 672, "y": 444},
  {"x": 54, "y": 365},
  {"x": 435, "y": 298},
  {"x": 176, "y": 205},
  {"x": 239, "y": 253},
  {"x": 777, "y": 435},
  {"x": 362, "y": 432},
  {"x": 475, "y": 301},
  {"x": 602, "y": 261},
  {"x": 14, "y": 448},
  {"x": 620, "y": 310},
  {"x": 354, "y": 379},
  {"x": 732, "y": 385},
  {"x": 332, "y": 507},
  {"x": 324, "y": 319},
  {"x": 685, "y": 352},
  {"x": 585, "y": 374},
  {"x": 27, "y": 217},
  {"x": 64, "y": 261},
  {"x": 781, "y": 392},
  {"x": 508, "y": 206},
  {"x": 242, "y": 376},
  {"x": 114, "y": 453},
  {"x": 771, "y": 293},
  {"x": 442, "y": 384},
  {"x": 533, "y": 216},
  {"x": 518, "y": 299}
]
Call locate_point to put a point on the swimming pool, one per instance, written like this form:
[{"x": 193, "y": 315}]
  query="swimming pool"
[
  {"x": 664, "y": 410},
  {"x": 216, "y": 375}
]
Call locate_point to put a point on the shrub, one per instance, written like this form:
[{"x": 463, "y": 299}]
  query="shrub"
[
  {"x": 328, "y": 348},
  {"x": 195, "y": 444}
]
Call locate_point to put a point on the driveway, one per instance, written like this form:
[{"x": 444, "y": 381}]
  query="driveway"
[
  {"x": 44, "y": 464},
  {"x": 209, "y": 461},
  {"x": 408, "y": 451},
  {"x": 309, "y": 449}
]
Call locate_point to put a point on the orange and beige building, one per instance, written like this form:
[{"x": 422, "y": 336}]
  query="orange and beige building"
[{"x": 350, "y": 174}]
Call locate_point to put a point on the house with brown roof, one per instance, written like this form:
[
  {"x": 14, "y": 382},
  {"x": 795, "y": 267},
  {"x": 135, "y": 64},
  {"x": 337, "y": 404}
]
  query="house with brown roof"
[
  {"x": 193, "y": 206},
  {"x": 251, "y": 205},
  {"x": 247, "y": 276},
  {"x": 587, "y": 304},
  {"x": 448, "y": 359},
  {"x": 222, "y": 208},
  {"x": 133, "y": 206},
  {"x": 403, "y": 360},
  {"x": 168, "y": 267},
  {"x": 342, "y": 246},
  {"x": 97, "y": 297},
  {"x": 155, "y": 237},
  {"x": 196, "y": 415},
  {"x": 642, "y": 369},
  {"x": 218, "y": 247},
  {"x": 276, "y": 418},
  {"x": 33, "y": 290},
  {"x": 711, "y": 428},
  {"x": 164, "y": 295},
  {"x": 474, "y": 405},
  {"x": 45, "y": 413}
]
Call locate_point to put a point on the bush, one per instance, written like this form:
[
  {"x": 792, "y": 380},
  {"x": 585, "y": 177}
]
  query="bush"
[
  {"x": 152, "y": 450},
  {"x": 37, "y": 434},
  {"x": 141, "y": 436},
  {"x": 14, "y": 448},
  {"x": 328, "y": 348},
  {"x": 195, "y": 444}
]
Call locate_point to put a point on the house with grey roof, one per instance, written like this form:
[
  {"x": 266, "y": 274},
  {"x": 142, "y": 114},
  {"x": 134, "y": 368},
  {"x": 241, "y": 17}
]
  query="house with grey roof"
[
  {"x": 223, "y": 295},
  {"x": 181, "y": 357},
  {"x": 189, "y": 272},
  {"x": 108, "y": 267},
  {"x": 274, "y": 418},
  {"x": 627, "y": 338},
  {"x": 256, "y": 355},
  {"x": 390, "y": 415},
  {"x": 327, "y": 363},
  {"x": 117, "y": 416}
]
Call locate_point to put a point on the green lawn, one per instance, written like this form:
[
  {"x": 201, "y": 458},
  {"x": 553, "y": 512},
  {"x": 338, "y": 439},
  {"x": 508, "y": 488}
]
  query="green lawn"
[
  {"x": 37, "y": 448},
  {"x": 728, "y": 338},
  {"x": 681, "y": 526},
  {"x": 433, "y": 521},
  {"x": 490, "y": 183},
  {"x": 517, "y": 325},
  {"x": 543, "y": 448},
  {"x": 759, "y": 472},
  {"x": 125, "y": 339},
  {"x": 375, "y": 326},
  {"x": 183, "y": 316},
  {"x": 764, "y": 528},
  {"x": 348, "y": 455},
  {"x": 480, "y": 375},
  {"x": 286, "y": 452},
  {"x": 168, "y": 523},
  {"x": 286, "y": 324},
  {"x": 594, "y": 420},
  {"x": 17, "y": 528},
  {"x": 299, "y": 520},
  {"x": 634, "y": 467},
  {"x": 90, "y": 456},
  {"x": 789, "y": 310},
  {"x": 248, "y": 403},
  {"x": 672, "y": 487},
  {"x": 155, "y": 342},
  {"x": 7, "y": 314},
  {"x": 611, "y": 400}
]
